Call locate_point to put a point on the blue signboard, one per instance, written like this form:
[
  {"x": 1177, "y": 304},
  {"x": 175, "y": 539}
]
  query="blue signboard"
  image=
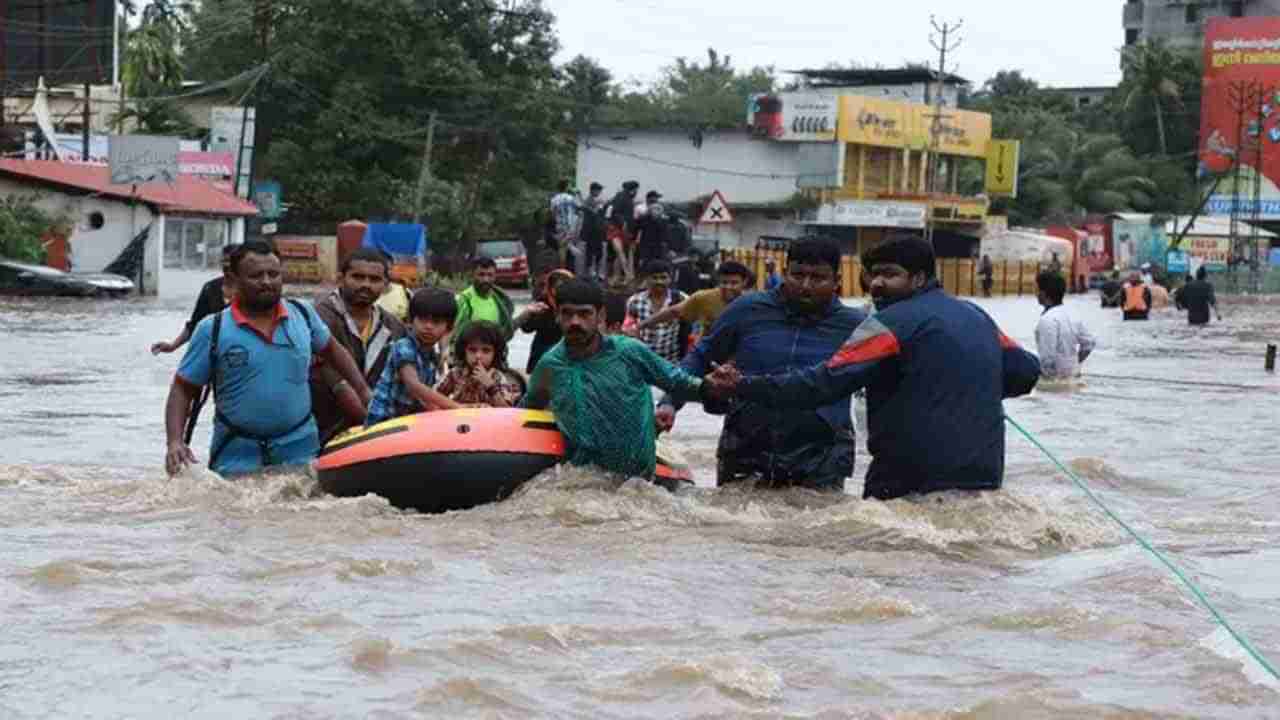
[{"x": 1179, "y": 263}]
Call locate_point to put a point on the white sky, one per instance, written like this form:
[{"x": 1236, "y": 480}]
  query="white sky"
[{"x": 1055, "y": 43}]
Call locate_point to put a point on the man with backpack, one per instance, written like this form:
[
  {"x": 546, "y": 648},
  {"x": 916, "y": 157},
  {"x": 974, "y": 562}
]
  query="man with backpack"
[{"x": 257, "y": 354}]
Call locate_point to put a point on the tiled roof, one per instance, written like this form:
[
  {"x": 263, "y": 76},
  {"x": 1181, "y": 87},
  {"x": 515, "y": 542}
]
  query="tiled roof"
[{"x": 188, "y": 195}]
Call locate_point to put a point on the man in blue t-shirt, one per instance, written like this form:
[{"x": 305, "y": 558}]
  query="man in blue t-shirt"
[{"x": 258, "y": 354}]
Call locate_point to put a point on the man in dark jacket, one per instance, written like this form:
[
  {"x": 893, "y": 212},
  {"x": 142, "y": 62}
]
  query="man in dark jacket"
[
  {"x": 789, "y": 328},
  {"x": 364, "y": 329},
  {"x": 213, "y": 299},
  {"x": 1197, "y": 297},
  {"x": 936, "y": 370}
]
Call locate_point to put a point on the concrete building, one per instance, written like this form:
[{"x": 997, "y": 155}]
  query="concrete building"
[
  {"x": 1083, "y": 97},
  {"x": 67, "y": 108},
  {"x": 186, "y": 223},
  {"x": 1180, "y": 23}
]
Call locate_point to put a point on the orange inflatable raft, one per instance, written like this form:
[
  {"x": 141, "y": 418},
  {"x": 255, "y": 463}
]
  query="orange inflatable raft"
[{"x": 452, "y": 460}]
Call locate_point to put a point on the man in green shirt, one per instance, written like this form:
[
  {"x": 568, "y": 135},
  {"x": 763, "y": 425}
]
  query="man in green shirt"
[
  {"x": 484, "y": 300},
  {"x": 598, "y": 387}
]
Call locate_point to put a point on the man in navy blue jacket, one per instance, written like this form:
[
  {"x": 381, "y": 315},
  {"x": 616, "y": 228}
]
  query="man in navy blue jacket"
[
  {"x": 936, "y": 370},
  {"x": 791, "y": 327}
]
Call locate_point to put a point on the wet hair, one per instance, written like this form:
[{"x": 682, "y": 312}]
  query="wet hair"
[
  {"x": 1201, "y": 273},
  {"x": 228, "y": 251},
  {"x": 912, "y": 253},
  {"x": 433, "y": 303},
  {"x": 563, "y": 186},
  {"x": 657, "y": 267},
  {"x": 733, "y": 267},
  {"x": 484, "y": 263},
  {"x": 254, "y": 247},
  {"x": 366, "y": 254},
  {"x": 596, "y": 186},
  {"x": 580, "y": 292},
  {"x": 1052, "y": 284},
  {"x": 814, "y": 251},
  {"x": 482, "y": 332}
]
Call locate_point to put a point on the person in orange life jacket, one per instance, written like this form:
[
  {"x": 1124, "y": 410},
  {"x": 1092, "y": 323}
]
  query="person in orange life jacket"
[
  {"x": 936, "y": 370},
  {"x": 1136, "y": 302},
  {"x": 258, "y": 352}
]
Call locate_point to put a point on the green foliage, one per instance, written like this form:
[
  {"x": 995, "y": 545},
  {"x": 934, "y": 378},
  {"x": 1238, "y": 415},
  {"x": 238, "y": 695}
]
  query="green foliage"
[
  {"x": 691, "y": 95},
  {"x": 22, "y": 227}
]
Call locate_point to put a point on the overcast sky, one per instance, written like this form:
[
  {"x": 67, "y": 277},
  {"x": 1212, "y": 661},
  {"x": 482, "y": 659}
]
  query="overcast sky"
[{"x": 1056, "y": 43}]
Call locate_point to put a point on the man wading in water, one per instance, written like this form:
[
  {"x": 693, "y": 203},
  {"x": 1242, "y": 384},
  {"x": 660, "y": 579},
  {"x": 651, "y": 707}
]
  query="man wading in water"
[
  {"x": 598, "y": 387},
  {"x": 936, "y": 370},
  {"x": 213, "y": 298},
  {"x": 257, "y": 354}
]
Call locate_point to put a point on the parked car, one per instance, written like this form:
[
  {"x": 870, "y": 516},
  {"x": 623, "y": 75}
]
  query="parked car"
[
  {"x": 511, "y": 259},
  {"x": 19, "y": 278}
]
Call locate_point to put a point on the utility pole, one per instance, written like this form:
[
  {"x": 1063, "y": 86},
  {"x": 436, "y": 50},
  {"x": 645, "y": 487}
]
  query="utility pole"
[
  {"x": 425, "y": 175},
  {"x": 944, "y": 40},
  {"x": 84, "y": 121}
]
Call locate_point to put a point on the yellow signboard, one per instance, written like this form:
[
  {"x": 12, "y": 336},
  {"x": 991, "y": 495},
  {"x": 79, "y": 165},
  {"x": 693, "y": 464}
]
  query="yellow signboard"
[
  {"x": 1002, "y": 167},
  {"x": 888, "y": 123},
  {"x": 872, "y": 121}
]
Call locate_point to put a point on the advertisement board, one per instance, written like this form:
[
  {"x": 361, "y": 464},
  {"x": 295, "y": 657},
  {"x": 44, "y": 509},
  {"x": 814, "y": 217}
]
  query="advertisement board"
[
  {"x": 307, "y": 259},
  {"x": 1242, "y": 50},
  {"x": 871, "y": 213},
  {"x": 1213, "y": 252},
  {"x": 142, "y": 159},
  {"x": 888, "y": 123},
  {"x": 794, "y": 117}
]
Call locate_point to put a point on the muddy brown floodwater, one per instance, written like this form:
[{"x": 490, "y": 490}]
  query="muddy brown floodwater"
[{"x": 127, "y": 594}]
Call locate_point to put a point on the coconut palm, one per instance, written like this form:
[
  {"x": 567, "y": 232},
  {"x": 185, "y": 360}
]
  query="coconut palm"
[
  {"x": 1066, "y": 172},
  {"x": 1151, "y": 71}
]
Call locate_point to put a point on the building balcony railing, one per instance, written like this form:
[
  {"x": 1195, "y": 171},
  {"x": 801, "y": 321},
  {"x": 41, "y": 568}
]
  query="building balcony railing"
[{"x": 1133, "y": 14}]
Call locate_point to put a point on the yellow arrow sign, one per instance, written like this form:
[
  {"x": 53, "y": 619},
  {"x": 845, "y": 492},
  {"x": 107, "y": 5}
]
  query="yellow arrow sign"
[{"x": 1002, "y": 167}]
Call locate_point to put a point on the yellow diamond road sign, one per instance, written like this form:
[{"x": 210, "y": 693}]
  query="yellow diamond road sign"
[{"x": 1002, "y": 167}]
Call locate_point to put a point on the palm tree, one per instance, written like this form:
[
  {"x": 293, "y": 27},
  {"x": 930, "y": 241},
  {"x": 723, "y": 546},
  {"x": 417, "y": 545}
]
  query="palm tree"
[
  {"x": 1151, "y": 71},
  {"x": 1066, "y": 171}
]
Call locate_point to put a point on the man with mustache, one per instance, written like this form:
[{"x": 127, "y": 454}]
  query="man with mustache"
[
  {"x": 598, "y": 387},
  {"x": 793, "y": 326},
  {"x": 364, "y": 329},
  {"x": 936, "y": 371},
  {"x": 257, "y": 354}
]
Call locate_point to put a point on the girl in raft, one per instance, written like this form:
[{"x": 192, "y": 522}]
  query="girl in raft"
[{"x": 485, "y": 380}]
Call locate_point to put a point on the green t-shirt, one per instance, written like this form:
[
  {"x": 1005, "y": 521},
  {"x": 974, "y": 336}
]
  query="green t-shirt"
[
  {"x": 603, "y": 404},
  {"x": 485, "y": 308}
]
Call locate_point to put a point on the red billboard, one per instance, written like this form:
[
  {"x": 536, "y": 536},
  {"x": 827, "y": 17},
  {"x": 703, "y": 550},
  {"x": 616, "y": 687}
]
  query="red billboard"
[{"x": 1242, "y": 53}]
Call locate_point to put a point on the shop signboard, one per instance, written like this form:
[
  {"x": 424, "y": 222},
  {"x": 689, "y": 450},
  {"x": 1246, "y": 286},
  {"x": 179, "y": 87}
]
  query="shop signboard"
[
  {"x": 1212, "y": 251},
  {"x": 307, "y": 259},
  {"x": 794, "y": 117},
  {"x": 872, "y": 213},
  {"x": 1242, "y": 51},
  {"x": 889, "y": 123},
  {"x": 872, "y": 121}
]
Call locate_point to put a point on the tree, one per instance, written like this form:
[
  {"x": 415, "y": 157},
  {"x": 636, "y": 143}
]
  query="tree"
[
  {"x": 1067, "y": 172},
  {"x": 1152, "y": 72},
  {"x": 693, "y": 95},
  {"x": 587, "y": 87}
]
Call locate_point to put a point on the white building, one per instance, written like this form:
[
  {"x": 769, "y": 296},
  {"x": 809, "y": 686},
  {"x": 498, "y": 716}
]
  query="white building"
[
  {"x": 186, "y": 223},
  {"x": 756, "y": 177}
]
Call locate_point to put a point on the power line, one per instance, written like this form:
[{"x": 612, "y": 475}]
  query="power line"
[{"x": 692, "y": 168}]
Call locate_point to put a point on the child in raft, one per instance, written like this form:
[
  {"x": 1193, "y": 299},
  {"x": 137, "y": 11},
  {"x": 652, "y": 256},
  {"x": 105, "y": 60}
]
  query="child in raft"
[
  {"x": 484, "y": 380},
  {"x": 406, "y": 384}
]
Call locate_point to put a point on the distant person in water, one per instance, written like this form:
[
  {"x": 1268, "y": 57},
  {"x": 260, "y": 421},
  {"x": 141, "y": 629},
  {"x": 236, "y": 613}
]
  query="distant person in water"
[
  {"x": 1062, "y": 341},
  {"x": 213, "y": 298},
  {"x": 1113, "y": 291},
  {"x": 1136, "y": 299},
  {"x": 1198, "y": 297}
]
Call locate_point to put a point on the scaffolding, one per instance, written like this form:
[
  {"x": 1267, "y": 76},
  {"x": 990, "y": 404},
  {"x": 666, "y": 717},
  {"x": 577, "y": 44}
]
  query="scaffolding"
[{"x": 1253, "y": 104}]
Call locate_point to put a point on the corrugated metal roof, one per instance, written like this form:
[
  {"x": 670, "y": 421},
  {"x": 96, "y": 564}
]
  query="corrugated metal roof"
[{"x": 188, "y": 195}]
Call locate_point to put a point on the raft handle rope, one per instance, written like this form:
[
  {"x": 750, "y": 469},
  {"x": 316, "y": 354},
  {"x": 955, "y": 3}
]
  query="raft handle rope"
[{"x": 1190, "y": 584}]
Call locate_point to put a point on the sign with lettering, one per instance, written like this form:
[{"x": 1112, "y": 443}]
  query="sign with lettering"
[
  {"x": 872, "y": 213},
  {"x": 1213, "y": 252},
  {"x": 872, "y": 121},
  {"x": 142, "y": 159},
  {"x": 795, "y": 117},
  {"x": 1002, "y": 167}
]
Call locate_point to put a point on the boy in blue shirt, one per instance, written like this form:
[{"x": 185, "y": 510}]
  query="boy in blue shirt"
[{"x": 407, "y": 383}]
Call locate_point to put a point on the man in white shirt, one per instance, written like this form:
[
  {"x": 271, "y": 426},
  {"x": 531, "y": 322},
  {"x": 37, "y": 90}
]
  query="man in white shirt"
[{"x": 1062, "y": 341}]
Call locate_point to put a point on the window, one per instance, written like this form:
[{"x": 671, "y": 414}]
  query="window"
[
  {"x": 1131, "y": 37},
  {"x": 1085, "y": 101},
  {"x": 1193, "y": 14},
  {"x": 193, "y": 243},
  {"x": 1236, "y": 8}
]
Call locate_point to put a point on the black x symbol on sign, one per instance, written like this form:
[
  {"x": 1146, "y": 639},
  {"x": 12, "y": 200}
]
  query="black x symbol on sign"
[{"x": 717, "y": 212}]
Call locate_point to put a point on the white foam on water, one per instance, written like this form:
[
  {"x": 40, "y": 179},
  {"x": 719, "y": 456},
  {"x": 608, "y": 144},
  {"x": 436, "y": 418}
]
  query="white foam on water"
[{"x": 1221, "y": 643}]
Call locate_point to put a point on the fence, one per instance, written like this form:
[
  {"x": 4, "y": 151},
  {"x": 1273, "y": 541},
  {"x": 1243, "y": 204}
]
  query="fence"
[{"x": 958, "y": 276}]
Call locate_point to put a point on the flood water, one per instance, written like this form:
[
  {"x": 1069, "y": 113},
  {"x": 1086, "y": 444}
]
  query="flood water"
[{"x": 128, "y": 594}]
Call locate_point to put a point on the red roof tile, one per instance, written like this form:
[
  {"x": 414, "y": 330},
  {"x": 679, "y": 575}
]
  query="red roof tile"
[{"x": 188, "y": 195}]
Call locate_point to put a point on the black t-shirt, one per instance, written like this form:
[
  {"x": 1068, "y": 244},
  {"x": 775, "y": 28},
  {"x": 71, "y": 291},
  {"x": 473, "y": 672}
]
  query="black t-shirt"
[
  {"x": 592, "y": 224},
  {"x": 622, "y": 212},
  {"x": 615, "y": 308},
  {"x": 1197, "y": 296},
  {"x": 209, "y": 302},
  {"x": 546, "y": 333}
]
